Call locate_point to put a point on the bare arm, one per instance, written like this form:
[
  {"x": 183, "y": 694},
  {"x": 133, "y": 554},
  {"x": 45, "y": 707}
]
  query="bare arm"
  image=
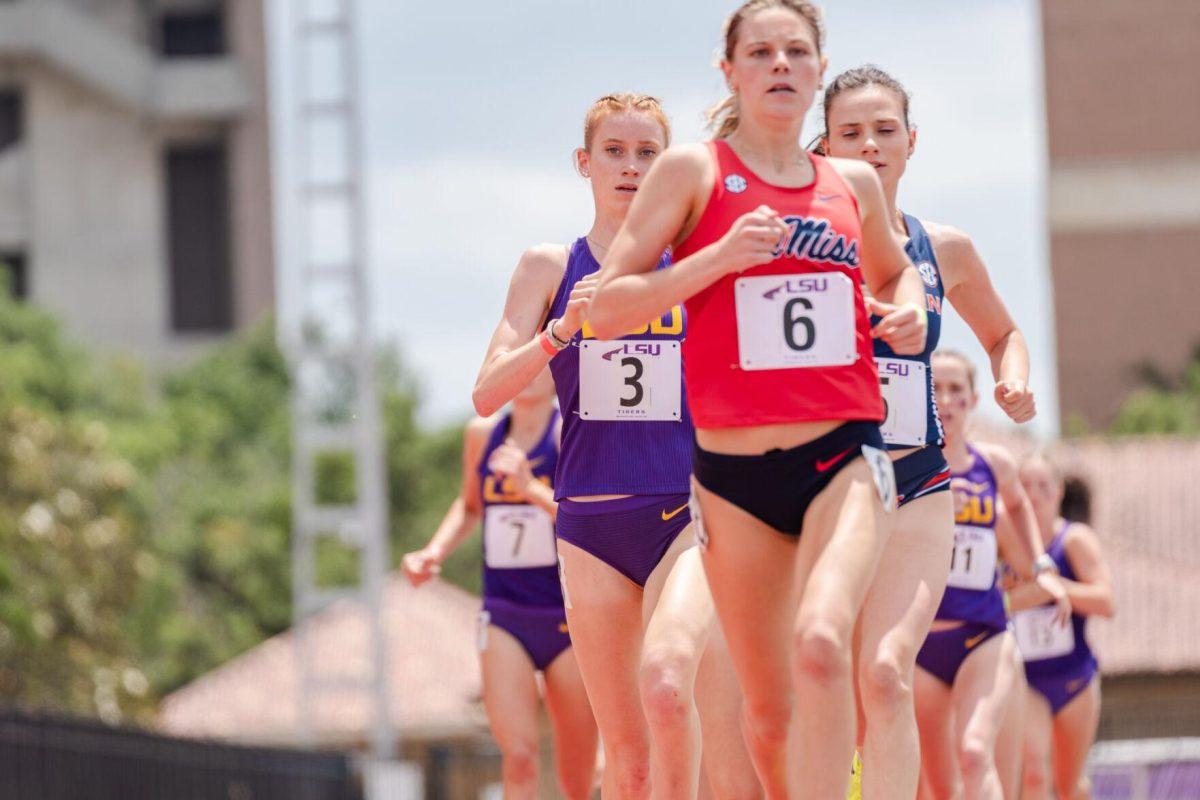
[
  {"x": 631, "y": 290},
  {"x": 514, "y": 357},
  {"x": 1091, "y": 593},
  {"x": 895, "y": 285},
  {"x": 463, "y": 516},
  {"x": 1017, "y": 535},
  {"x": 510, "y": 461},
  {"x": 970, "y": 289}
]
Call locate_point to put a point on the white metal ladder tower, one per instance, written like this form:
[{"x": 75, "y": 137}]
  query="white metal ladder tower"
[{"x": 335, "y": 405}]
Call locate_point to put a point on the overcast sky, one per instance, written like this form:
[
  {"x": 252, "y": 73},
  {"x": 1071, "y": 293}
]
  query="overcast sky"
[{"x": 472, "y": 110}]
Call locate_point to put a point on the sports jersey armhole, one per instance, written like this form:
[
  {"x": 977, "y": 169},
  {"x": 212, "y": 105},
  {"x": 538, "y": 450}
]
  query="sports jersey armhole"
[
  {"x": 986, "y": 465},
  {"x": 561, "y": 291},
  {"x": 714, "y": 150},
  {"x": 822, "y": 164}
]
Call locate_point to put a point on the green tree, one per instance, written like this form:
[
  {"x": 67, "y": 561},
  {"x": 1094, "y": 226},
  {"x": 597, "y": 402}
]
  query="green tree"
[
  {"x": 71, "y": 550},
  {"x": 145, "y": 524},
  {"x": 1164, "y": 405}
]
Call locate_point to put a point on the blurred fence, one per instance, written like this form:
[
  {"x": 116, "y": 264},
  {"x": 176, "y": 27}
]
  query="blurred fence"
[
  {"x": 52, "y": 759},
  {"x": 1147, "y": 769}
]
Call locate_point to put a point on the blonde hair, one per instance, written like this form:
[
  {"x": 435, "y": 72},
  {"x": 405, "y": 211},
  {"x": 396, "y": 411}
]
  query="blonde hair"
[
  {"x": 620, "y": 102},
  {"x": 725, "y": 116}
]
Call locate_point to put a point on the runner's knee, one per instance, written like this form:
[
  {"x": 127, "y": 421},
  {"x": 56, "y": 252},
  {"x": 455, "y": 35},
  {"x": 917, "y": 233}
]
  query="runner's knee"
[
  {"x": 1035, "y": 776},
  {"x": 821, "y": 652},
  {"x": 519, "y": 762},
  {"x": 766, "y": 721},
  {"x": 666, "y": 691},
  {"x": 975, "y": 760},
  {"x": 886, "y": 689}
]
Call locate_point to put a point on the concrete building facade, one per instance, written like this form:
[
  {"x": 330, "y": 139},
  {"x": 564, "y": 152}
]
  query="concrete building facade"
[
  {"x": 1123, "y": 118},
  {"x": 135, "y": 197}
]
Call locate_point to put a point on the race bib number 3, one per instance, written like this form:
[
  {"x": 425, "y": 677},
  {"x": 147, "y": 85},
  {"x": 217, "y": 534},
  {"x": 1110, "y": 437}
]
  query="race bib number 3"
[
  {"x": 1040, "y": 637},
  {"x": 973, "y": 561},
  {"x": 905, "y": 387},
  {"x": 518, "y": 536},
  {"x": 790, "y": 321},
  {"x": 628, "y": 379}
]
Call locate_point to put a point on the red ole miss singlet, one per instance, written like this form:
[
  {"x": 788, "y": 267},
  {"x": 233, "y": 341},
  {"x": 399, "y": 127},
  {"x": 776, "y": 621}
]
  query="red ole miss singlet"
[{"x": 787, "y": 341}]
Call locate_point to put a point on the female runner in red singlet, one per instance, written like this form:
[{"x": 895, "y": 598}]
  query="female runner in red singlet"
[{"x": 769, "y": 242}]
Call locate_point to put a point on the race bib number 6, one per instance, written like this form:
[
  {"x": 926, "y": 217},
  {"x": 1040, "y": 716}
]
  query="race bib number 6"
[
  {"x": 629, "y": 379},
  {"x": 791, "y": 321},
  {"x": 973, "y": 561}
]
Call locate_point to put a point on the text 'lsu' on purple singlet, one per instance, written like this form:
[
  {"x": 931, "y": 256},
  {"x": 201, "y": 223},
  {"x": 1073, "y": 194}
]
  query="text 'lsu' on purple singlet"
[
  {"x": 520, "y": 560},
  {"x": 972, "y": 590}
]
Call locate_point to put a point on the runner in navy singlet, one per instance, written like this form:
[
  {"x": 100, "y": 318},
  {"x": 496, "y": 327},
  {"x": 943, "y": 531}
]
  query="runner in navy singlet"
[{"x": 867, "y": 118}]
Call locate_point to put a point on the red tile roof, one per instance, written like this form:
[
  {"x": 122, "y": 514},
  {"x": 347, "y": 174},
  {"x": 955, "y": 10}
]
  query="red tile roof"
[
  {"x": 1146, "y": 511},
  {"x": 433, "y": 670}
]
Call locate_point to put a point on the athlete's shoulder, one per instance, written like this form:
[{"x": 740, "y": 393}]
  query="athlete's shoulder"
[
  {"x": 999, "y": 459},
  {"x": 948, "y": 242},
  {"x": 545, "y": 257},
  {"x": 540, "y": 270},
  {"x": 849, "y": 167},
  {"x": 1080, "y": 534},
  {"x": 863, "y": 182},
  {"x": 478, "y": 429},
  {"x": 685, "y": 163}
]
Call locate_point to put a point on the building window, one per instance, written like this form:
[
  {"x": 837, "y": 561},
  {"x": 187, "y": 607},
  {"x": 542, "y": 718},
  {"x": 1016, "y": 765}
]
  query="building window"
[
  {"x": 13, "y": 277},
  {"x": 11, "y": 122},
  {"x": 198, "y": 237},
  {"x": 192, "y": 33}
]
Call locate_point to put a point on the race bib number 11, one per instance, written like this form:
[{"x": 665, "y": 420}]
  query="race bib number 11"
[
  {"x": 790, "y": 321},
  {"x": 630, "y": 380},
  {"x": 973, "y": 560}
]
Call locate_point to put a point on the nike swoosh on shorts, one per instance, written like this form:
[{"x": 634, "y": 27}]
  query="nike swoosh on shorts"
[{"x": 666, "y": 516}]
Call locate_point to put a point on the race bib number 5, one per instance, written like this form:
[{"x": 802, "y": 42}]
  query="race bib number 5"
[
  {"x": 629, "y": 379},
  {"x": 973, "y": 561},
  {"x": 905, "y": 399},
  {"x": 791, "y": 321},
  {"x": 518, "y": 536}
]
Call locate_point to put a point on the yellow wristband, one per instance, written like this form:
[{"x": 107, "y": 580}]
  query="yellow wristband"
[{"x": 921, "y": 312}]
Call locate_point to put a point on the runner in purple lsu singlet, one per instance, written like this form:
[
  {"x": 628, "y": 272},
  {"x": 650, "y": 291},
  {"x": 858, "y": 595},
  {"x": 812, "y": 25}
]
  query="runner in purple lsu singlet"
[
  {"x": 521, "y": 592},
  {"x": 1058, "y": 661},
  {"x": 626, "y": 431},
  {"x": 972, "y": 591}
]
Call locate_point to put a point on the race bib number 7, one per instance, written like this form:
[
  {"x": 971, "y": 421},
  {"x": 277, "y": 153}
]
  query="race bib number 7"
[
  {"x": 630, "y": 380},
  {"x": 791, "y": 321},
  {"x": 518, "y": 537}
]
